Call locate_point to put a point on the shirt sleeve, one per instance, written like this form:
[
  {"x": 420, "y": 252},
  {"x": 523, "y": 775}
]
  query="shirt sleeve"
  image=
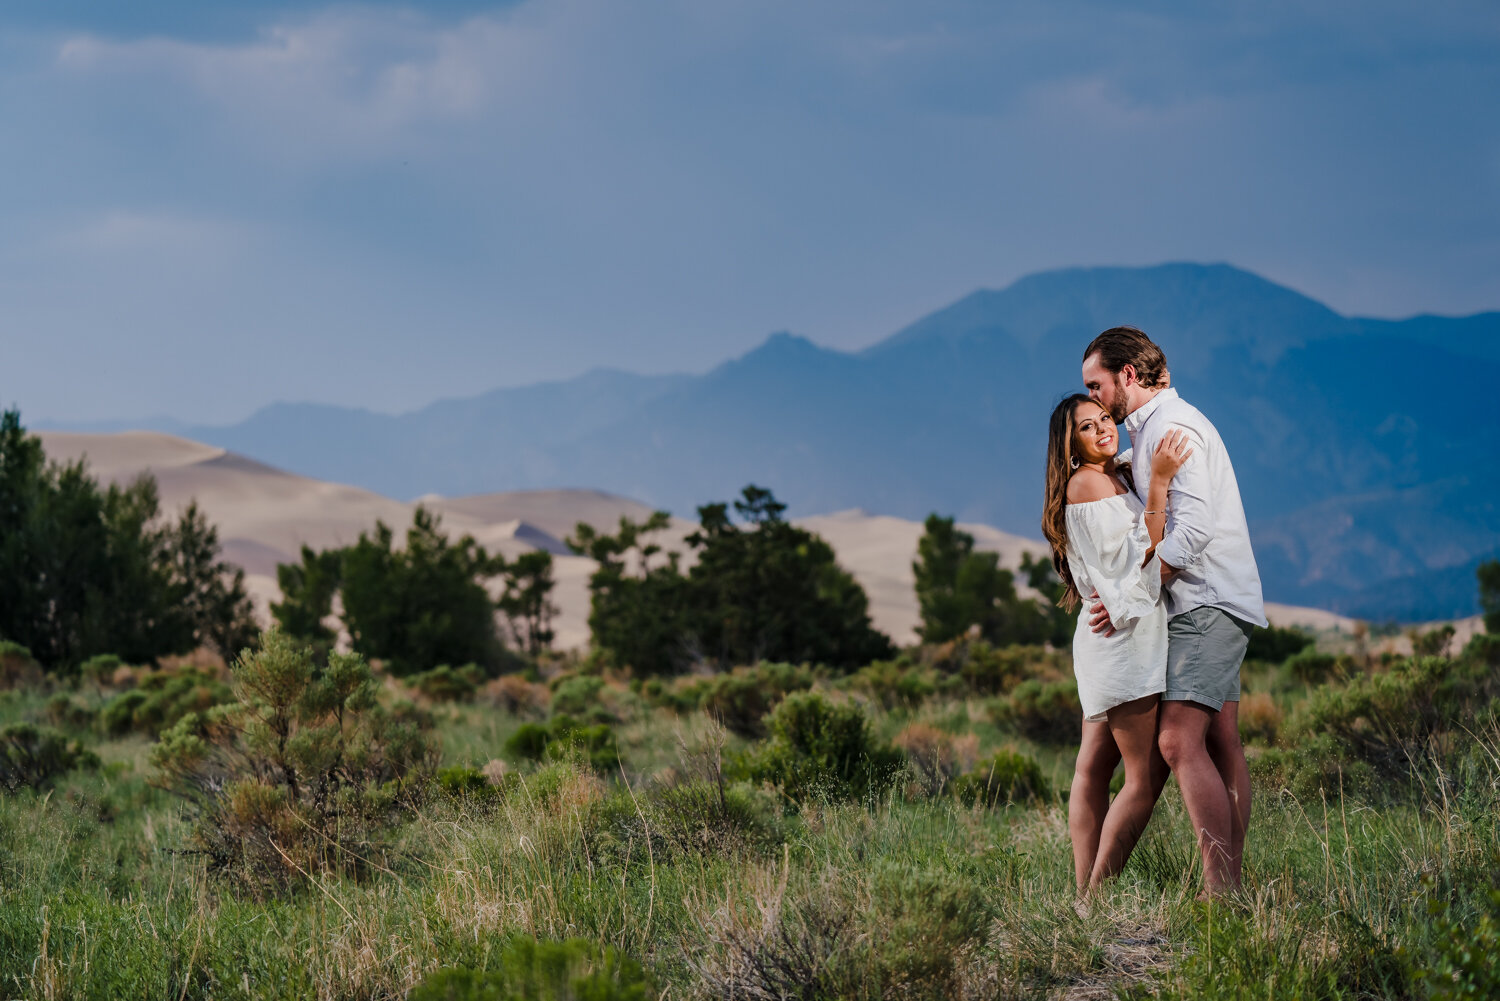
[
  {"x": 1190, "y": 509},
  {"x": 1111, "y": 543}
]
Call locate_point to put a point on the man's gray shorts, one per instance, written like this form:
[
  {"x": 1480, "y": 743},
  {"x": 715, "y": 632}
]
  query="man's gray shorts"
[{"x": 1205, "y": 647}]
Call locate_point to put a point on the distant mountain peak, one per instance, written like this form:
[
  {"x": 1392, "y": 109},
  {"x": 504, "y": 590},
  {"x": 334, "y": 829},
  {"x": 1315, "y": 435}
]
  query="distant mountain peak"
[{"x": 1177, "y": 303}]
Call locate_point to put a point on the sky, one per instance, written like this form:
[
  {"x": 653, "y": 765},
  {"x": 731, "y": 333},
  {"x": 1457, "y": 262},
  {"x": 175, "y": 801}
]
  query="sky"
[{"x": 210, "y": 207}]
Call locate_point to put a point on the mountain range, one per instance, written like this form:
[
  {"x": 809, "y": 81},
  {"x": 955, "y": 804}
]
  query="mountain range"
[{"x": 1357, "y": 442}]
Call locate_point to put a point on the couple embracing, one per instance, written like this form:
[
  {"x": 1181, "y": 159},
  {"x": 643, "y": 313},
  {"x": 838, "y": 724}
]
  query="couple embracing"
[{"x": 1154, "y": 543}]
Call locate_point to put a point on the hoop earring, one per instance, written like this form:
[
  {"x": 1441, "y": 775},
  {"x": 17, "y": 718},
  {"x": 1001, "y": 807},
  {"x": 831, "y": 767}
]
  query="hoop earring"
[{"x": 1075, "y": 462}]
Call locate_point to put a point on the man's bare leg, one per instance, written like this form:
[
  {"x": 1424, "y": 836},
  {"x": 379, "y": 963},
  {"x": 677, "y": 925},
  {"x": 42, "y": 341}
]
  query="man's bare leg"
[
  {"x": 1088, "y": 798},
  {"x": 1133, "y": 726},
  {"x": 1228, "y": 756},
  {"x": 1183, "y": 736}
]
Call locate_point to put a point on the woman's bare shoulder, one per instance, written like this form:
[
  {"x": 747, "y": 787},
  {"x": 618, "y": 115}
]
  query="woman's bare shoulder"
[{"x": 1087, "y": 485}]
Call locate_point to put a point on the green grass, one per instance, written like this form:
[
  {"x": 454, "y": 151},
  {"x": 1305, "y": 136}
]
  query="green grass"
[{"x": 896, "y": 896}]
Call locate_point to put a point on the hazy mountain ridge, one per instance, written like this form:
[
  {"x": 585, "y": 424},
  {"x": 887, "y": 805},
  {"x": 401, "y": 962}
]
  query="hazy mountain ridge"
[{"x": 1357, "y": 469}]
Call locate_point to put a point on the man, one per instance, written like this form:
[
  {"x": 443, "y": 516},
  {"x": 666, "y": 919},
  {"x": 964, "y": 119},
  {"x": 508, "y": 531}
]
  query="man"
[{"x": 1213, "y": 595}]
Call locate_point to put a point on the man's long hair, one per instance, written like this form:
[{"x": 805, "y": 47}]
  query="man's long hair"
[
  {"x": 1060, "y": 438},
  {"x": 1121, "y": 346}
]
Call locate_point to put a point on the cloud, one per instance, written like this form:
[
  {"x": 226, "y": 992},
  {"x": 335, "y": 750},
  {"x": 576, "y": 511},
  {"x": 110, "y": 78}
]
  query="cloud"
[
  {"x": 341, "y": 84},
  {"x": 126, "y": 231},
  {"x": 556, "y": 184}
]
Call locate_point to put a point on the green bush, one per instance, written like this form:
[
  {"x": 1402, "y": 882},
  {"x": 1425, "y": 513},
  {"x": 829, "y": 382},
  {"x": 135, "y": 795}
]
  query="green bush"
[
  {"x": 63, "y": 710},
  {"x": 1274, "y": 644},
  {"x": 530, "y": 970},
  {"x": 715, "y": 819},
  {"x": 448, "y": 684},
  {"x": 823, "y": 748},
  {"x": 100, "y": 668},
  {"x": 463, "y": 782},
  {"x": 1394, "y": 720},
  {"x": 1309, "y": 667},
  {"x": 595, "y": 742},
  {"x": 161, "y": 699},
  {"x": 1046, "y": 712},
  {"x": 529, "y": 741},
  {"x": 294, "y": 777},
  {"x": 894, "y": 684},
  {"x": 578, "y": 695},
  {"x": 1007, "y": 777},
  {"x": 565, "y": 735},
  {"x": 991, "y": 670},
  {"x": 31, "y": 757},
  {"x": 17, "y": 666},
  {"x": 741, "y": 698},
  {"x": 1462, "y": 964}
]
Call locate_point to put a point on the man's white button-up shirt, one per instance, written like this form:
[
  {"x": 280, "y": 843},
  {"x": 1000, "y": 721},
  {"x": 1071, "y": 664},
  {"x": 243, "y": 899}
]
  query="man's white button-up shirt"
[{"x": 1206, "y": 539}]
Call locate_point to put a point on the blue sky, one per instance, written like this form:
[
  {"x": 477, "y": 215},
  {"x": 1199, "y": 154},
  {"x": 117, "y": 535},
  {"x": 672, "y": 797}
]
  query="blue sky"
[{"x": 211, "y": 207}]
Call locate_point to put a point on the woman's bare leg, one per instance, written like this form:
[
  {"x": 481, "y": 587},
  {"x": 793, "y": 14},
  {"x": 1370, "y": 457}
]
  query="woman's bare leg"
[
  {"x": 1088, "y": 800},
  {"x": 1133, "y": 726}
]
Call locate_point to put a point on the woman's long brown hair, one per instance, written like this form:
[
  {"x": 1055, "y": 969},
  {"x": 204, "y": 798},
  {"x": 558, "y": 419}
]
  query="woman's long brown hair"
[{"x": 1060, "y": 438}]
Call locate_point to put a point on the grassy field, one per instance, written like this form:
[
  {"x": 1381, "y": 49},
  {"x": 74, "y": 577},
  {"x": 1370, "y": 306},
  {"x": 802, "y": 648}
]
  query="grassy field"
[{"x": 1372, "y": 860}]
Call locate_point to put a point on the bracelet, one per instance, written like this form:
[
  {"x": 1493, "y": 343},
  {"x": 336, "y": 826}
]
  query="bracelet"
[{"x": 1162, "y": 511}]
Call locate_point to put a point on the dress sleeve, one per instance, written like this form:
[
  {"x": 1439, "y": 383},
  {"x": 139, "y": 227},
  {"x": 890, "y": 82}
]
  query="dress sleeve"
[{"x": 1111, "y": 541}]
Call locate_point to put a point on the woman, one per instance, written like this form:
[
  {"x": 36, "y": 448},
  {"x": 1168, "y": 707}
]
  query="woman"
[{"x": 1103, "y": 544}]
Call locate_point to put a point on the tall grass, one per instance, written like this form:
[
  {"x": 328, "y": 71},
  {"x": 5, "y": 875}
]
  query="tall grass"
[{"x": 723, "y": 892}]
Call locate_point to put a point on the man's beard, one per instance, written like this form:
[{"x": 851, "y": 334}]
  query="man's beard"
[{"x": 1117, "y": 411}]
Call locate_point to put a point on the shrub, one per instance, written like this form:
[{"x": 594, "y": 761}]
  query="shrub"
[
  {"x": 101, "y": 668},
  {"x": 716, "y": 819},
  {"x": 293, "y": 777},
  {"x": 65, "y": 711},
  {"x": 516, "y": 695},
  {"x": 990, "y": 670},
  {"x": 1462, "y": 963},
  {"x": 1309, "y": 667},
  {"x": 894, "y": 684},
  {"x": 160, "y": 699},
  {"x": 448, "y": 684},
  {"x": 463, "y": 782},
  {"x": 530, "y": 970},
  {"x": 1434, "y": 642},
  {"x": 1007, "y": 777},
  {"x": 565, "y": 735},
  {"x": 742, "y": 698},
  {"x": 17, "y": 667},
  {"x": 1392, "y": 720},
  {"x": 577, "y": 695},
  {"x": 529, "y": 741},
  {"x": 936, "y": 756},
  {"x": 818, "y": 747},
  {"x": 1274, "y": 645},
  {"x": 595, "y": 742},
  {"x": 31, "y": 757},
  {"x": 1260, "y": 717},
  {"x": 1046, "y": 712}
]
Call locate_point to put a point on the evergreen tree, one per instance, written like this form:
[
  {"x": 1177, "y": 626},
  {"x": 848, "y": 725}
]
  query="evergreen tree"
[
  {"x": 769, "y": 590},
  {"x": 764, "y": 589},
  {"x": 421, "y": 606},
  {"x": 85, "y": 570},
  {"x": 1058, "y": 625},
  {"x": 637, "y": 595},
  {"x": 1489, "y": 594},
  {"x": 526, "y": 601},
  {"x": 959, "y": 589},
  {"x": 307, "y": 591}
]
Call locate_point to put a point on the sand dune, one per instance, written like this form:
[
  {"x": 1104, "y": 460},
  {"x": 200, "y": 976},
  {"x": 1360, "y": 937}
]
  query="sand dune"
[{"x": 265, "y": 516}]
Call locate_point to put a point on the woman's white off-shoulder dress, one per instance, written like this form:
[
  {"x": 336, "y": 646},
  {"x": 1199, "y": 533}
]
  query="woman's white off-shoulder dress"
[{"x": 1107, "y": 540}]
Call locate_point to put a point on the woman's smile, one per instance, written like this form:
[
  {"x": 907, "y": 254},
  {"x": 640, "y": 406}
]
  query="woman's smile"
[{"x": 1097, "y": 437}]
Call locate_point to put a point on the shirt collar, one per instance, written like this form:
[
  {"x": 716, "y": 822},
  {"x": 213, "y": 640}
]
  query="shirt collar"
[{"x": 1137, "y": 419}]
